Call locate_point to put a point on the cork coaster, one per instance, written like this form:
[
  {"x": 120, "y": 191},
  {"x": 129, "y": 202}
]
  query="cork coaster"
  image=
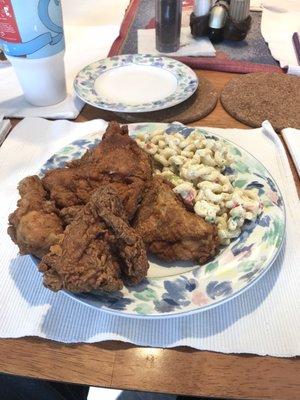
[
  {"x": 253, "y": 98},
  {"x": 200, "y": 104}
]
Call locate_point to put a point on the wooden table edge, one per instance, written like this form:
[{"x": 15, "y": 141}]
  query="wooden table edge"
[{"x": 131, "y": 367}]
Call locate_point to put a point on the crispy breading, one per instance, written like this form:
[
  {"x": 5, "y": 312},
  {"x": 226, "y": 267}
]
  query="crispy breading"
[
  {"x": 35, "y": 225},
  {"x": 169, "y": 230},
  {"x": 68, "y": 214},
  {"x": 117, "y": 153},
  {"x": 97, "y": 250},
  {"x": 117, "y": 159}
]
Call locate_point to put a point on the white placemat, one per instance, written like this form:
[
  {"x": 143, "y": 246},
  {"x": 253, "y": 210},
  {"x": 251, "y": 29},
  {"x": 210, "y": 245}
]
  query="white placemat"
[
  {"x": 263, "y": 320},
  {"x": 84, "y": 44},
  {"x": 292, "y": 139},
  {"x": 189, "y": 46}
]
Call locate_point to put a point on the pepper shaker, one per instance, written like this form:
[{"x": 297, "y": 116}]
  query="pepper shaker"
[
  {"x": 217, "y": 20},
  {"x": 199, "y": 18},
  {"x": 167, "y": 25}
]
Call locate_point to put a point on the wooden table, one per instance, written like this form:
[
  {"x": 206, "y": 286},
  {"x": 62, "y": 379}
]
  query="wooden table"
[{"x": 180, "y": 370}]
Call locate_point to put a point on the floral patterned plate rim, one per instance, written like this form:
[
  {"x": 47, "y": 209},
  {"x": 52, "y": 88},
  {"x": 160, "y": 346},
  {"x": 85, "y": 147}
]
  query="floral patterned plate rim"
[
  {"x": 160, "y": 82},
  {"x": 238, "y": 266}
]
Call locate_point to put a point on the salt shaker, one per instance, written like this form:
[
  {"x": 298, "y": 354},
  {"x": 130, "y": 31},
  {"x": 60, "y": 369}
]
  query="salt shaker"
[
  {"x": 239, "y": 21},
  {"x": 199, "y": 18},
  {"x": 167, "y": 25},
  {"x": 201, "y": 7}
]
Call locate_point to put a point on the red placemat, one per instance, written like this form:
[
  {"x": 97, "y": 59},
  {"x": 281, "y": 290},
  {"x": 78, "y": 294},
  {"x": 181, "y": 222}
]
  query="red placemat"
[{"x": 251, "y": 55}]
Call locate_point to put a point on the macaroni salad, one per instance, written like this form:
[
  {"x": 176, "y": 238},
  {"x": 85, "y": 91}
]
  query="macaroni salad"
[{"x": 194, "y": 166}]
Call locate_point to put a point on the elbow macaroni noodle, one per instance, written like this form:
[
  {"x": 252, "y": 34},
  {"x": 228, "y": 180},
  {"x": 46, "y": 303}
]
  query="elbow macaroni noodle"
[{"x": 194, "y": 166}]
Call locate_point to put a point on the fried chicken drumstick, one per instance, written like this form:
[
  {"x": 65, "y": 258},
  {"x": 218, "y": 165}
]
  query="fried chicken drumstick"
[
  {"x": 169, "y": 230},
  {"x": 97, "y": 250}
]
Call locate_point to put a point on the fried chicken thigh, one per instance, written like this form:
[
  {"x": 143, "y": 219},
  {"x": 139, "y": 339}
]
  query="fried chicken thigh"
[
  {"x": 97, "y": 250},
  {"x": 116, "y": 160},
  {"x": 169, "y": 230},
  {"x": 35, "y": 225}
]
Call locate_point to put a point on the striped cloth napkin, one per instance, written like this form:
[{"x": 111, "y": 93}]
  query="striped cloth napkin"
[{"x": 265, "y": 319}]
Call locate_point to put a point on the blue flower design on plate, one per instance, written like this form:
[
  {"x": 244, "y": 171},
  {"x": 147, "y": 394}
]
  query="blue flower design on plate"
[
  {"x": 115, "y": 301},
  {"x": 218, "y": 289},
  {"x": 256, "y": 185}
]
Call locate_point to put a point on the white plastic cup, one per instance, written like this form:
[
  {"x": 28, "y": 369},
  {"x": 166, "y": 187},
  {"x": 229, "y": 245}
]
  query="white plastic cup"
[
  {"x": 32, "y": 35},
  {"x": 42, "y": 79}
]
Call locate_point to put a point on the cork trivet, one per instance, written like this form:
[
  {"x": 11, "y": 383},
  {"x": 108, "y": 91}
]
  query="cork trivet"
[
  {"x": 200, "y": 104},
  {"x": 253, "y": 98}
]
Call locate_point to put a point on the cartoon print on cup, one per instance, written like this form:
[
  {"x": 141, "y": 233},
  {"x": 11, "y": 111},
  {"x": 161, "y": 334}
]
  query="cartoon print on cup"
[{"x": 47, "y": 32}]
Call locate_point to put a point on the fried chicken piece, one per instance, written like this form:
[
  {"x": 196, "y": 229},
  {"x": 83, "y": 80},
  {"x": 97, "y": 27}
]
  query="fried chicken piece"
[
  {"x": 127, "y": 244},
  {"x": 116, "y": 160},
  {"x": 35, "y": 225},
  {"x": 71, "y": 188},
  {"x": 68, "y": 214},
  {"x": 169, "y": 230},
  {"x": 96, "y": 249},
  {"x": 117, "y": 153}
]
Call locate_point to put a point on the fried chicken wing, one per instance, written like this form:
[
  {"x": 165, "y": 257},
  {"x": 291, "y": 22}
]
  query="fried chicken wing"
[
  {"x": 35, "y": 225},
  {"x": 96, "y": 250},
  {"x": 116, "y": 160},
  {"x": 169, "y": 230}
]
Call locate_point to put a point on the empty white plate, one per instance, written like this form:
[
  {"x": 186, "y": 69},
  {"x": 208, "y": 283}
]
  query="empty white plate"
[{"x": 135, "y": 83}]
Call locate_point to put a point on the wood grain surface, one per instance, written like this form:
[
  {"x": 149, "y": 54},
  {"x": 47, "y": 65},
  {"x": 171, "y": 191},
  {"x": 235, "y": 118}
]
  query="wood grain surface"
[{"x": 181, "y": 370}]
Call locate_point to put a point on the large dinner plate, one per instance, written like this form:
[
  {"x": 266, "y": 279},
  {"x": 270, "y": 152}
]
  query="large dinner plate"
[
  {"x": 174, "y": 288},
  {"x": 135, "y": 83}
]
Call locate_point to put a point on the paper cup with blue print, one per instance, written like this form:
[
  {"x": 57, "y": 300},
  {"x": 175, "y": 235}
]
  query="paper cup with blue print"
[{"x": 33, "y": 41}]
